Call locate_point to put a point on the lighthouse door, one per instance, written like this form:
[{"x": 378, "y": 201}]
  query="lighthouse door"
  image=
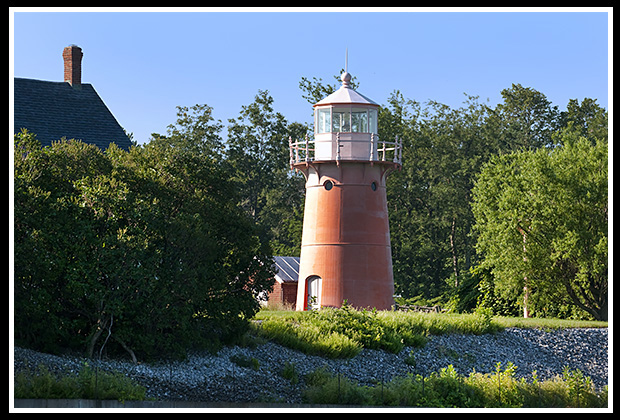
[{"x": 313, "y": 297}]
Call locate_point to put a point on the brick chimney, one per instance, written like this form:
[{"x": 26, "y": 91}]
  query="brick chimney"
[{"x": 73, "y": 65}]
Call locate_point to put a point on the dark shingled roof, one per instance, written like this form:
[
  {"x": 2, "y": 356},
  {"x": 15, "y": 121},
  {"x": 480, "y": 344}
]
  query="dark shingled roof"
[{"x": 53, "y": 110}]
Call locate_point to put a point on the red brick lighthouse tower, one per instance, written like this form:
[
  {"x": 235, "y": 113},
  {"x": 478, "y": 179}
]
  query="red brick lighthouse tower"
[{"x": 345, "y": 247}]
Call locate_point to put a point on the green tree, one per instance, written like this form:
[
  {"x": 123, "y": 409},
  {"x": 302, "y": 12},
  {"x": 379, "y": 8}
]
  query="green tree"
[
  {"x": 143, "y": 250},
  {"x": 57, "y": 241},
  {"x": 430, "y": 217},
  {"x": 257, "y": 159},
  {"x": 525, "y": 120},
  {"x": 196, "y": 130},
  {"x": 541, "y": 217},
  {"x": 503, "y": 222},
  {"x": 587, "y": 119}
]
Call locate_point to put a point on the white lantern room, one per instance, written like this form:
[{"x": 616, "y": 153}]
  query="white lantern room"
[{"x": 345, "y": 125}]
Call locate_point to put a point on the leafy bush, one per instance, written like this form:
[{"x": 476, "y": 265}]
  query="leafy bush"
[{"x": 146, "y": 246}]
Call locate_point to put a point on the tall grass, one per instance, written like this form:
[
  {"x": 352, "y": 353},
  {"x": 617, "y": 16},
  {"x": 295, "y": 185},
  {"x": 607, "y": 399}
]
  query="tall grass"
[
  {"x": 88, "y": 384},
  {"x": 309, "y": 338},
  {"x": 547, "y": 323},
  {"x": 342, "y": 333},
  {"x": 447, "y": 388}
]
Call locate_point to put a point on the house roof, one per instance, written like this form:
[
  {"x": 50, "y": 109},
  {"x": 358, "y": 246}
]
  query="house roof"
[
  {"x": 53, "y": 110},
  {"x": 288, "y": 269}
]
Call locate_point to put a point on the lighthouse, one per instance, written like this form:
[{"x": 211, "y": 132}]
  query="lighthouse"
[{"x": 345, "y": 247}]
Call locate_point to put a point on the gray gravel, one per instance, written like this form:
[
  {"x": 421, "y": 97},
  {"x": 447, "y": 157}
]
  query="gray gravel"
[{"x": 215, "y": 378}]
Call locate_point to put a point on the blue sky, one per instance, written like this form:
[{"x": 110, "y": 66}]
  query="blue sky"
[{"x": 145, "y": 62}]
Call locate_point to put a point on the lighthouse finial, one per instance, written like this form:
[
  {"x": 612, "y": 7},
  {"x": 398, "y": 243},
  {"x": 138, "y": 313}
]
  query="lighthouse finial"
[{"x": 346, "y": 77}]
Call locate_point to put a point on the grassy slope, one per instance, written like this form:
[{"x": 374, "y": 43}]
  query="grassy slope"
[
  {"x": 505, "y": 322},
  {"x": 344, "y": 332}
]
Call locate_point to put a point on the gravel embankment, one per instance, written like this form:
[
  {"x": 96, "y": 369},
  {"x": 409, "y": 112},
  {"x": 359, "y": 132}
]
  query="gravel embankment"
[{"x": 215, "y": 378}]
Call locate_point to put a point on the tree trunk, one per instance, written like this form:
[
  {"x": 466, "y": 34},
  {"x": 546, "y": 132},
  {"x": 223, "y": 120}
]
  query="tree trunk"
[
  {"x": 454, "y": 257},
  {"x": 526, "y": 290},
  {"x": 127, "y": 349},
  {"x": 526, "y": 296},
  {"x": 95, "y": 337}
]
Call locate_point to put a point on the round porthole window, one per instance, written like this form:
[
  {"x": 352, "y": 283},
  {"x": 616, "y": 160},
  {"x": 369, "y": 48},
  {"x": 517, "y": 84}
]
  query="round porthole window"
[
  {"x": 328, "y": 185},
  {"x": 373, "y": 186}
]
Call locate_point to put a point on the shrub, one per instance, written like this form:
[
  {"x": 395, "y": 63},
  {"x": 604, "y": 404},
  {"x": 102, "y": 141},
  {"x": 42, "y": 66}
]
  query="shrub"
[
  {"x": 146, "y": 247},
  {"x": 329, "y": 389},
  {"x": 309, "y": 338},
  {"x": 448, "y": 388},
  {"x": 289, "y": 371},
  {"x": 344, "y": 332},
  {"x": 88, "y": 384},
  {"x": 245, "y": 361}
]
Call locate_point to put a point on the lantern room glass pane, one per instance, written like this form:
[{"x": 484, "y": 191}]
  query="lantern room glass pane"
[
  {"x": 359, "y": 121},
  {"x": 372, "y": 121},
  {"x": 323, "y": 120},
  {"x": 341, "y": 120}
]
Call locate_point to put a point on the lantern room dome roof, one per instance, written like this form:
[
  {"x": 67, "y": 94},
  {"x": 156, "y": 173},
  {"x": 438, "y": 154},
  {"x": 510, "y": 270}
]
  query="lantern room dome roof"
[{"x": 346, "y": 95}]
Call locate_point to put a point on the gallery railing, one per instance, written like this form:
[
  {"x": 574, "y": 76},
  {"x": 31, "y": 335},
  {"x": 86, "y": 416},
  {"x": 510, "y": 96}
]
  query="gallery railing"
[{"x": 355, "y": 145}]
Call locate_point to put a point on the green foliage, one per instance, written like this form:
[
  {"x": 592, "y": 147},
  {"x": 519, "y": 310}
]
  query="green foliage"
[
  {"x": 448, "y": 388},
  {"x": 167, "y": 246},
  {"x": 316, "y": 90},
  {"x": 428, "y": 199},
  {"x": 541, "y": 218},
  {"x": 309, "y": 339},
  {"x": 587, "y": 119},
  {"x": 342, "y": 333},
  {"x": 88, "y": 384},
  {"x": 256, "y": 161},
  {"x": 146, "y": 247},
  {"x": 245, "y": 361},
  {"x": 525, "y": 120},
  {"x": 477, "y": 291},
  {"x": 325, "y": 388},
  {"x": 431, "y": 216},
  {"x": 289, "y": 371}
]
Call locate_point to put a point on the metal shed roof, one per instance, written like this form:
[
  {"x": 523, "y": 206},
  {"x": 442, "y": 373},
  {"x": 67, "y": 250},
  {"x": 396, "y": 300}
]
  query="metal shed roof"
[{"x": 288, "y": 269}]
